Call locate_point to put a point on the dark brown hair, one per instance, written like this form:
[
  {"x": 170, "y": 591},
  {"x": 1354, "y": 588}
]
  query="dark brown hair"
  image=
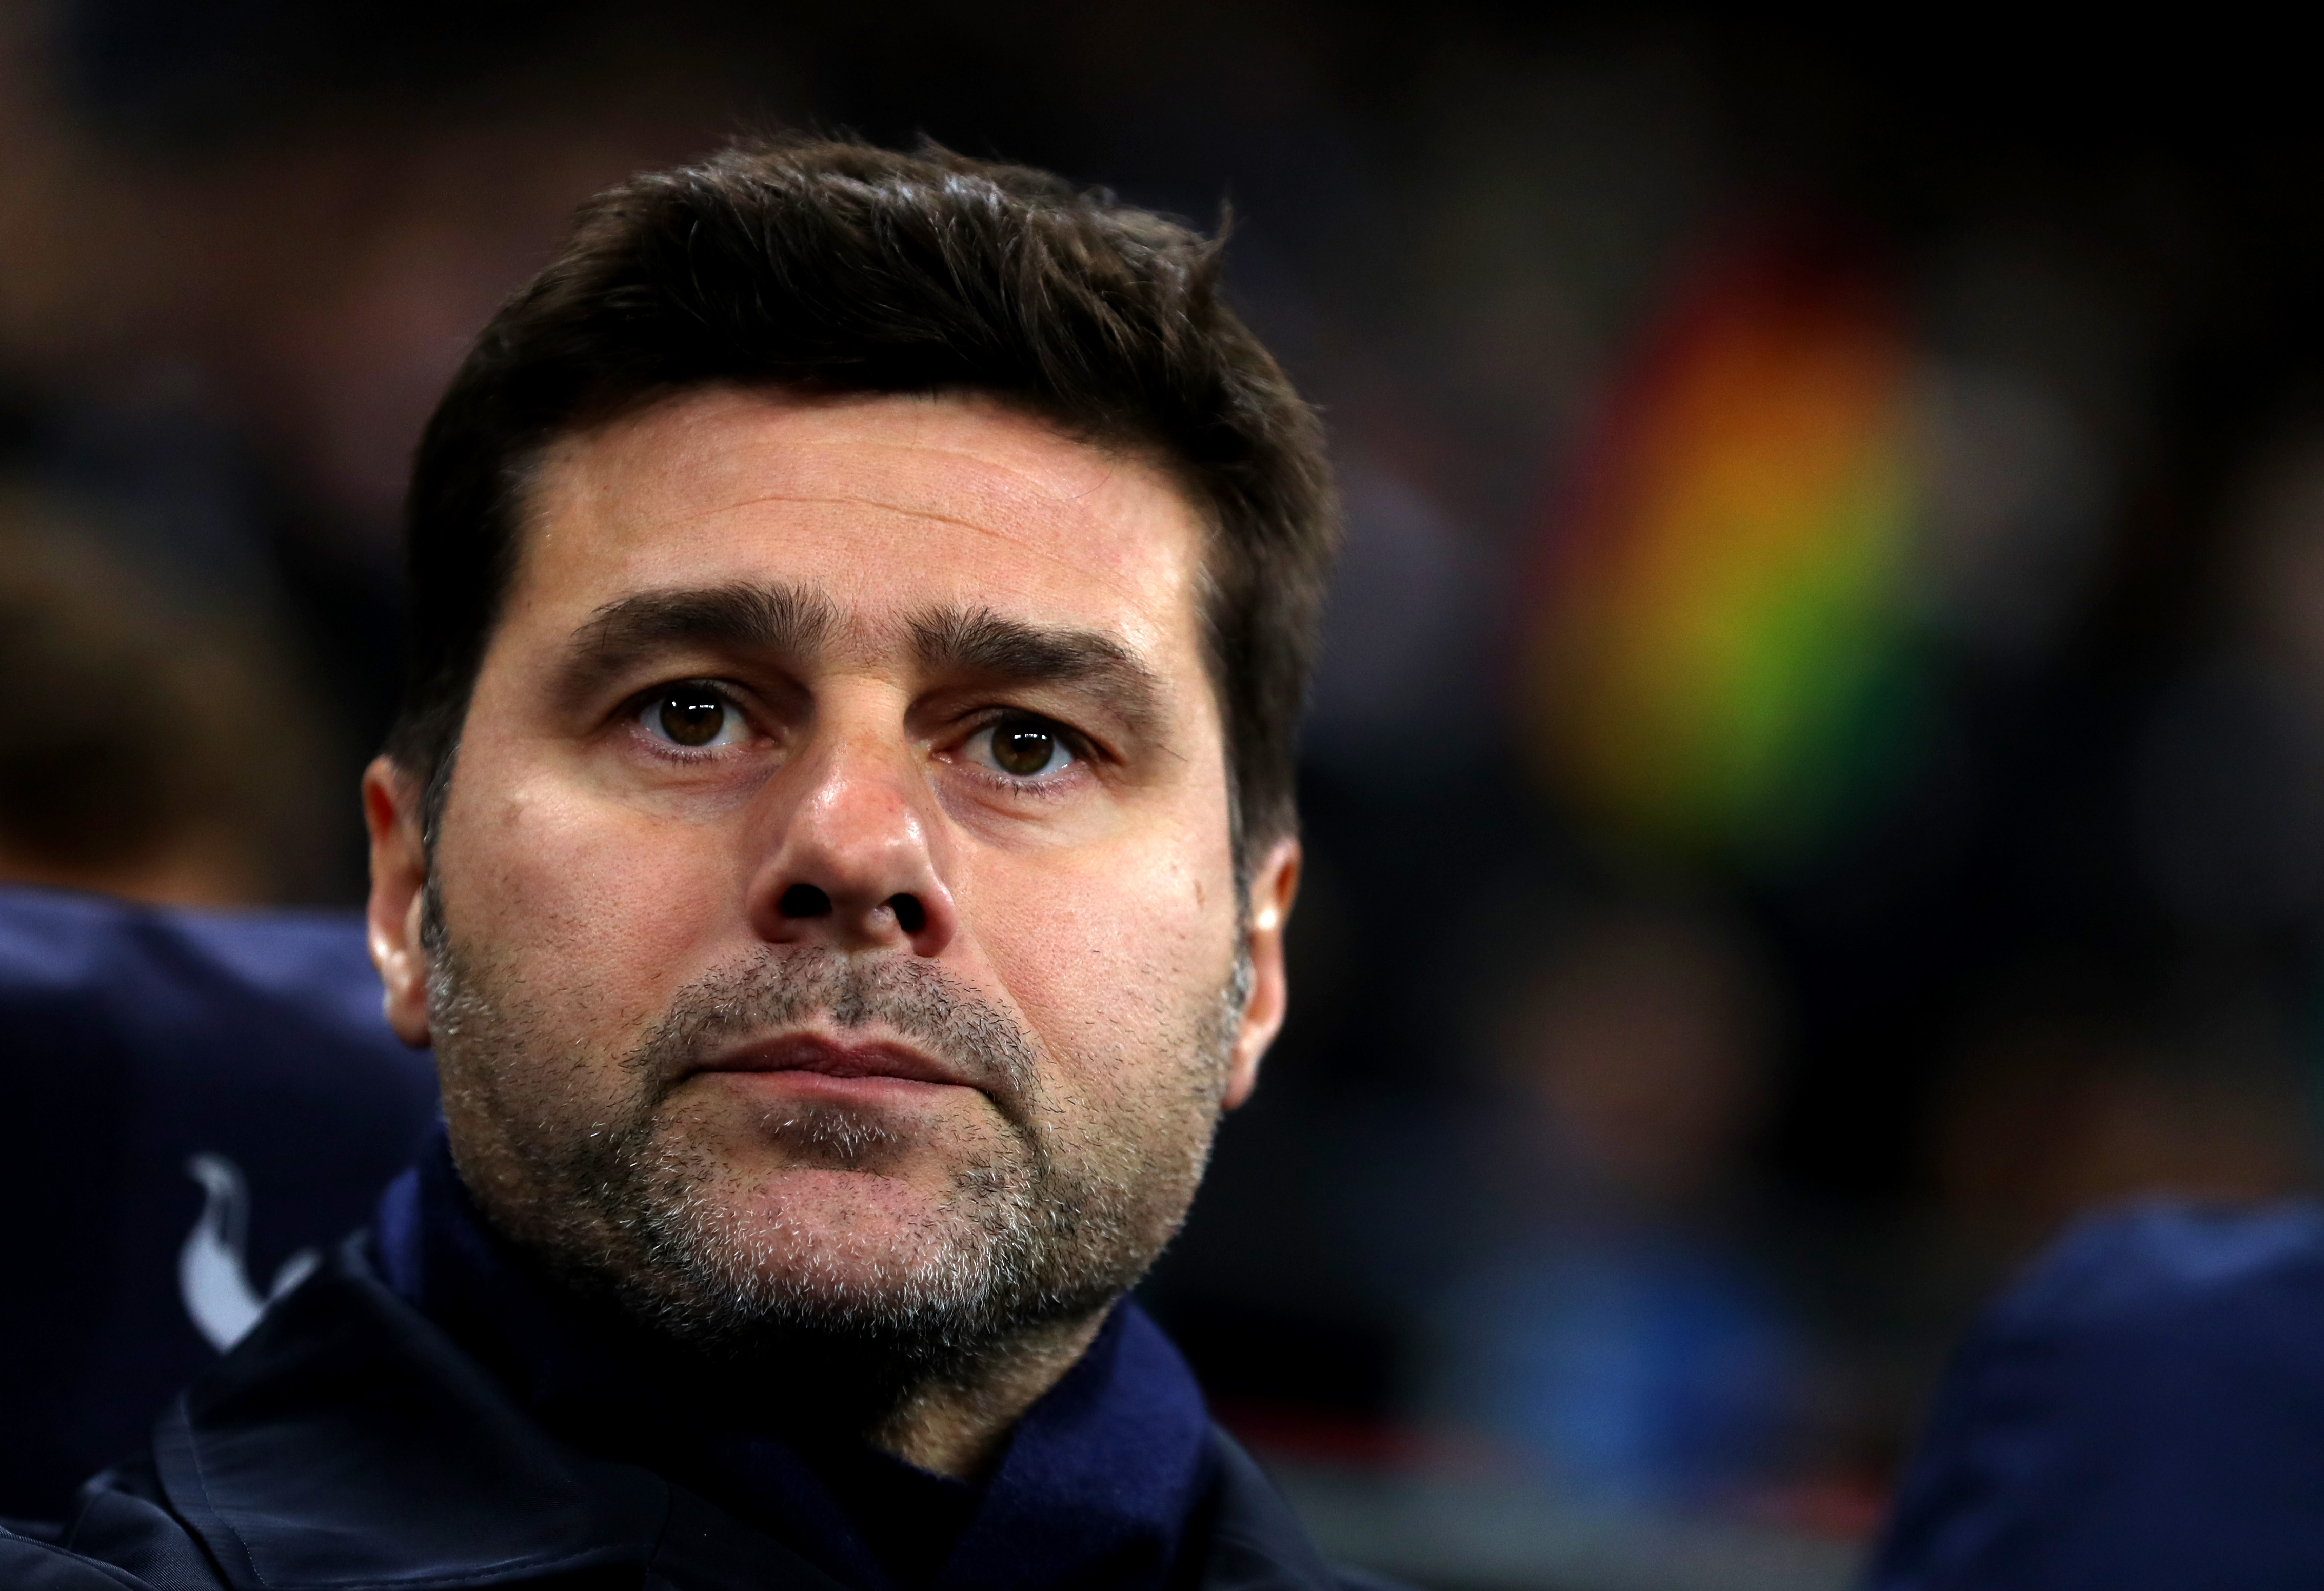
[{"x": 836, "y": 266}]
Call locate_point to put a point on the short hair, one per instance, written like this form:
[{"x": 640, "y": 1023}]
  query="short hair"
[{"x": 835, "y": 266}]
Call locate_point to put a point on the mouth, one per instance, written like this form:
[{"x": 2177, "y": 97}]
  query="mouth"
[{"x": 816, "y": 1065}]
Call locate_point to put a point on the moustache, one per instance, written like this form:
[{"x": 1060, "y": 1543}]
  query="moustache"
[{"x": 786, "y": 989}]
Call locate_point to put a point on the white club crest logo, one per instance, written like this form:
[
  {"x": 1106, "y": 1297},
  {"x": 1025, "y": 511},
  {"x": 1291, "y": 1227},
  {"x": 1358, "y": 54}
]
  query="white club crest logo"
[{"x": 213, "y": 1273}]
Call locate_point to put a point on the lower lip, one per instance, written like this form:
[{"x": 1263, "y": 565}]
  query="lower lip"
[{"x": 823, "y": 1085}]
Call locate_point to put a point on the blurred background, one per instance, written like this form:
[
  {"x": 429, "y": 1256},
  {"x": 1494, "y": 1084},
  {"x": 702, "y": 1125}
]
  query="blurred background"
[{"x": 1818, "y": 776}]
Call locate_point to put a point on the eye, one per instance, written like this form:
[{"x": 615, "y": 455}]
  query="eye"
[
  {"x": 694, "y": 716},
  {"x": 1022, "y": 747}
]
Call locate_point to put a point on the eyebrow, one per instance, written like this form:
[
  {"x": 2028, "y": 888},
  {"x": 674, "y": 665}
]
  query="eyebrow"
[
  {"x": 784, "y": 621},
  {"x": 798, "y": 622},
  {"x": 980, "y": 642}
]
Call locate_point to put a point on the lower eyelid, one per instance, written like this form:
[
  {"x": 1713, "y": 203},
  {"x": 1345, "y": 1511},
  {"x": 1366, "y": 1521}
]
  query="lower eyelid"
[{"x": 662, "y": 745}]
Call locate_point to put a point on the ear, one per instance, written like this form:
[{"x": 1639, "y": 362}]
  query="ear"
[
  {"x": 1273, "y": 887},
  {"x": 398, "y": 876}
]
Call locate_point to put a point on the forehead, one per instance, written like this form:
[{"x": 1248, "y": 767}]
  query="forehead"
[{"x": 889, "y": 505}]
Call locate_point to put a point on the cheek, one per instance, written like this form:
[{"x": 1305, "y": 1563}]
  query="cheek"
[
  {"x": 1108, "y": 956},
  {"x": 588, "y": 902}
]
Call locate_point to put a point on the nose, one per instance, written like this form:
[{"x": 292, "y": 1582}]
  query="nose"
[{"x": 851, "y": 863}]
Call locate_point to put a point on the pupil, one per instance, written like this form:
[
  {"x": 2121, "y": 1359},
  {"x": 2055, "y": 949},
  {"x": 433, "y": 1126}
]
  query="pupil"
[
  {"x": 692, "y": 720},
  {"x": 1023, "y": 751}
]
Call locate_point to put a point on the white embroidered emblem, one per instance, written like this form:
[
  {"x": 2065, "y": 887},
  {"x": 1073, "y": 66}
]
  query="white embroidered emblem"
[{"x": 213, "y": 1273}]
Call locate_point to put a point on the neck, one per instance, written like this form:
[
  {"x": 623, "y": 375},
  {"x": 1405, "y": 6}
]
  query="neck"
[
  {"x": 947, "y": 1410},
  {"x": 955, "y": 1424}
]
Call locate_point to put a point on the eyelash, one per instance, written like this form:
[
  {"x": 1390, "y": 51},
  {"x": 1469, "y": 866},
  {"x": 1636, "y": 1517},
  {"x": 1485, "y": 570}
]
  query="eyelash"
[
  {"x": 1079, "y": 746},
  {"x": 635, "y": 710}
]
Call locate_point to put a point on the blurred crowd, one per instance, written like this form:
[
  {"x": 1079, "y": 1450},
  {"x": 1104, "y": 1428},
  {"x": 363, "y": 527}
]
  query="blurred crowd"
[{"x": 1818, "y": 776}]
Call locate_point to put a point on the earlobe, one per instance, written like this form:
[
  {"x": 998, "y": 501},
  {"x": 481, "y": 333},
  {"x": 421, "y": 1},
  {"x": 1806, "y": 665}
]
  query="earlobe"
[
  {"x": 1274, "y": 886},
  {"x": 394, "y": 916}
]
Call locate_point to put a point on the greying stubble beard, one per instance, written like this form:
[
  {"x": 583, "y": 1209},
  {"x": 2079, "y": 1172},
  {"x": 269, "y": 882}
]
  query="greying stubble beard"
[{"x": 1049, "y": 1226}]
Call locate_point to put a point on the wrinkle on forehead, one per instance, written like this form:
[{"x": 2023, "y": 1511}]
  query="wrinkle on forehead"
[
  {"x": 1009, "y": 486},
  {"x": 1067, "y": 503}
]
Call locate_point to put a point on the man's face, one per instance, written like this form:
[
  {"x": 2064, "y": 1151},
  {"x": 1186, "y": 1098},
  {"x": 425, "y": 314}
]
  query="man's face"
[{"x": 833, "y": 915}]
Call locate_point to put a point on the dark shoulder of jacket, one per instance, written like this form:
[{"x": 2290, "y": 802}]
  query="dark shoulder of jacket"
[
  {"x": 2133, "y": 1411},
  {"x": 28, "y": 1565},
  {"x": 123, "y": 1523},
  {"x": 1244, "y": 1537}
]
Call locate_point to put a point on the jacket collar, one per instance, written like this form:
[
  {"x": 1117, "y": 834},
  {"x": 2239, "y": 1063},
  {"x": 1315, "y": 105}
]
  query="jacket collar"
[{"x": 347, "y": 1444}]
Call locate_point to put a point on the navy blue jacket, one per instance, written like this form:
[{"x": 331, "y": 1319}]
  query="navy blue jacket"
[
  {"x": 348, "y": 1443},
  {"x": 2143, "y": 1412},
  {"x": 202, "y": 1103}
]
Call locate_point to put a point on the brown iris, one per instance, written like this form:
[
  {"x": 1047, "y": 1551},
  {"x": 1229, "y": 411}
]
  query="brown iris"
[
  {"x": 691, "y": 716},
  {"x": 1023, "y": 747}
]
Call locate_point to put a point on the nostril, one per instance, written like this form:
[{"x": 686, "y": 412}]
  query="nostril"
[
  {"x": 804, "y": 900},
  {"x": 911, "y": 916}
]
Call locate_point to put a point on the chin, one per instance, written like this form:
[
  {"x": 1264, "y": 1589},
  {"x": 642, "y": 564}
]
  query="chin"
[
  {"x": 825, "y": 1202},
  {"x": 852, "y": 1233}
]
